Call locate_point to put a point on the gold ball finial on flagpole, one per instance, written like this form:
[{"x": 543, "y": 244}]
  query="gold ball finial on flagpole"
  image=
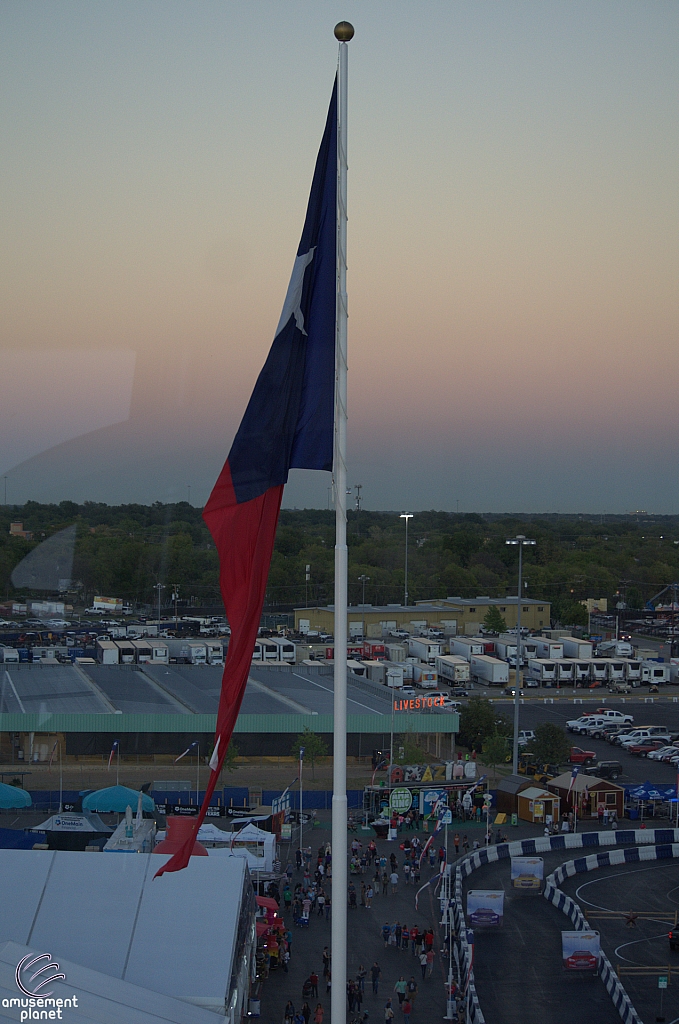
[{"x": 344, "y": 31}]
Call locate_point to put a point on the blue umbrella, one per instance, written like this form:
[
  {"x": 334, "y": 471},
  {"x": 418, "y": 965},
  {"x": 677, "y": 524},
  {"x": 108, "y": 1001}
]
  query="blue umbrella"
[
  {"x": 116, "y": 798},
  {"x": 12, "y": 796}
]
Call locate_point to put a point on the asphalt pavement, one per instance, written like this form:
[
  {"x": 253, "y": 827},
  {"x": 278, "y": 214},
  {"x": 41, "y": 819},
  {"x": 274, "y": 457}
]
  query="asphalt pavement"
[
  {"x": 518, "y": 966},
  {"x": 651, "y": 887},
  {"x": 365, "y": 945},
  {"x": 646, "y": 711}
]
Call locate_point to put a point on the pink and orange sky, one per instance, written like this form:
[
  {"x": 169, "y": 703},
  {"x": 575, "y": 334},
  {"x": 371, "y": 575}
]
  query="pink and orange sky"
[{"x": 513, "y": 260}]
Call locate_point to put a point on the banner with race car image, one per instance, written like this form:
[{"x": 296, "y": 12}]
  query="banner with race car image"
[
  {"x": 580, "y": 950},
  {"x": 527, "y": 873},
  {"x": 485, "y": 907}
]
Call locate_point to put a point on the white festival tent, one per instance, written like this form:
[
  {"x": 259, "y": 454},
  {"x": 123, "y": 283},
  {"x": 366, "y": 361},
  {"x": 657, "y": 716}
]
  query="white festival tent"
[{"x": 178, "y": 935}]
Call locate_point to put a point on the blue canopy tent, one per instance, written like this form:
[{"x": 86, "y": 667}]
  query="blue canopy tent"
[
  {"x": 117, "y": 799},
  {"x": 13, "y": 797},
  {"x": 649, "y": 791}
]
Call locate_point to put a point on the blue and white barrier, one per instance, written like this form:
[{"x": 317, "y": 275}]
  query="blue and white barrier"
[{"x": 656, "y": 844}]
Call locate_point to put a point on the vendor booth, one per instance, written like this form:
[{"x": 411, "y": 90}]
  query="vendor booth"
[
  {"x": 258, "y": 848},
  {"x": 650, "y": 801},
  {"x": 538, "y": 805},
  {"x": 508, "y": 791},
  {"x": 586, "y": 794}
]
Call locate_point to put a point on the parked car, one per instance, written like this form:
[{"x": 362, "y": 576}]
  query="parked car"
[
  {"x": 457, "y": 691},
  {"x": 578, "y": 724},
  {"x": 673, "y": 936},
  {"x": 605, "y": 770},
  {"x": 580, "y": 756},
  {"x": 619, "y": 687},
  {"x": 663, "y": 753},
  {"x": 526, "y": 736},
  {"x": 615, "y": 716},
  {"x": 647, "y": 747}
]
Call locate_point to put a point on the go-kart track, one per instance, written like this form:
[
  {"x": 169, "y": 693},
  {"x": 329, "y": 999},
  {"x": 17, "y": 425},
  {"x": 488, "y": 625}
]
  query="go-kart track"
[{"x": 518, "y": 970}]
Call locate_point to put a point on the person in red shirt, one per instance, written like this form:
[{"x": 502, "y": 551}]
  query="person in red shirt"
[{"x": 407, "y": 1008}]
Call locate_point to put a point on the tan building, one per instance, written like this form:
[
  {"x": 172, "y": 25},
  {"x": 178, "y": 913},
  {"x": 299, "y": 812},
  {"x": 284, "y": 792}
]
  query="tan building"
[{"x": 452, "y": 615}]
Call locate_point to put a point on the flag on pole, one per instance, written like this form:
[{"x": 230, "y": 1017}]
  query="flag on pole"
[
  {"x": 288, "y": 424},
  {"x": 187, "y": 751},
  {"x": 574, "y": 775},
  {"x": 113, "y": 750}
]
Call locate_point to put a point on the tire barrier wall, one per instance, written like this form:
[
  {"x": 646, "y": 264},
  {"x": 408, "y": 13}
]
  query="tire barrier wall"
[{"x": 654, "y": 840}]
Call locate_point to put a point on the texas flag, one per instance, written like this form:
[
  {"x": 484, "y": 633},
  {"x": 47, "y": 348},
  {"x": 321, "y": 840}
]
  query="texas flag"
[
  {"x": 288, "y": 424},
  {"x": 574, "y": 775}
]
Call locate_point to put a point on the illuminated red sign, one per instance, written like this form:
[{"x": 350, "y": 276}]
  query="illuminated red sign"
[{"x": 419, "y": 703}]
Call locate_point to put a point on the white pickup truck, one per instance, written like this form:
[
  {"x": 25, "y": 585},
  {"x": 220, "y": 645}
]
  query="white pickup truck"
[{"x": 611, "y": 717}]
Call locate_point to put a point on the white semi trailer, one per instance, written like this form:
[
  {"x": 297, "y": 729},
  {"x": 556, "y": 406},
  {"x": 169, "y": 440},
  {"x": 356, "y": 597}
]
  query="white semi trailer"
[{"x": 488, "y": 671}]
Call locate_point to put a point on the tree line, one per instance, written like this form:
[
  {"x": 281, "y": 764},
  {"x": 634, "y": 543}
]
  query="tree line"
[{"x": 126, "y": 550}]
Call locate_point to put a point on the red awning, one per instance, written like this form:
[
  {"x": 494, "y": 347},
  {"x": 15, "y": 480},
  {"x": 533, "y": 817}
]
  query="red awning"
[
  {"x": 266, "y": 901},
  {"x": 262, "y": 928}
]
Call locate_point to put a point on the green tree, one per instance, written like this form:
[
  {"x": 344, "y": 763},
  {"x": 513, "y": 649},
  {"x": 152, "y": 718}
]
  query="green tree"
[
  {"x": 495, "y": 750},
  {"x": 412, "y": 752},
  {"x": 314, "y": 747},
  {"x": 478, "y": 722},
  {"x": 551, "y": 744},
  {"x": 494, "y": 621}
]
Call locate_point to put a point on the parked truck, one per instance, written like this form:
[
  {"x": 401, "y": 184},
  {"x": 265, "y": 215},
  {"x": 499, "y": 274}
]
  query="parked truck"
[
  {"x": 506, "y": 651},
  {"x": 547, "y": 648},
  {"x": 424, "y": 649},
  {"x": 541, "y": 672},
  {"x": 488, "y": 671},
  {"x": 575, "y": 648},
  {"x": 214, "y": 652},
  {"x": 107, "y": 652},
  {"x": 186, "y": 652},
  {"x": 614, "y": 649},
  {"x": 529, "y": 648},
  {"x": 452, "y": 669},
  {"x": 9, "y": 655},
  {"x": 395, "y": 652},
  {"x": 466, "y": 647},
  {"x": 425, "y": 677},
  {"x": 395, "y": 673},
  {"x": 653, "y": 672}
]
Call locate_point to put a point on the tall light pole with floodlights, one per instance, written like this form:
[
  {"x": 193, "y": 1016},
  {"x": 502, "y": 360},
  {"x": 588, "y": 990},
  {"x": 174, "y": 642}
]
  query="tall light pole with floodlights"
[
  {"x": 521, "y": 542},
  {"x": 406, "y": 516},
  {"x": 363, "y": 579}
]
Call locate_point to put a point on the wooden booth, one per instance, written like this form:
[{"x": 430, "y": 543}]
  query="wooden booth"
[
  {"x": 538, "y": 805},
  {"x": 587, "y": 794}
]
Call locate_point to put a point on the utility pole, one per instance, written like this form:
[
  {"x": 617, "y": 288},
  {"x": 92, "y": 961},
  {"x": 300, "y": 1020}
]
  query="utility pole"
[
  {"x": 406, "y": 516},
  {"x": 175, "y": 598},
  {"x": 159, "y": 587},
  {"x": 363, "y": 579},
  {"x": 307, "y": 577},
  {"x": 520, "y": 541}
]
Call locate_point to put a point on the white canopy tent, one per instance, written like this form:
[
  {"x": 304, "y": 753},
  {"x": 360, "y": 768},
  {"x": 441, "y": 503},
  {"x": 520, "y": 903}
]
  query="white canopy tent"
[{"x": 257, "y": 847}]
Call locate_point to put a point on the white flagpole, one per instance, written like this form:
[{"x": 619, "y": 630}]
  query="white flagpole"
[{"x": 343, "y": 32}]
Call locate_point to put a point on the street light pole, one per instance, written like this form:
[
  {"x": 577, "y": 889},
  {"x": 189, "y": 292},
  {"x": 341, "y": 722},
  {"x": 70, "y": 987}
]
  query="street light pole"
[
  {"x": 519, "y": 541},
  {"x": 363, "y": 579},
  {"x": 159, "y": 587},
  {"x": 406, "y": 516}
]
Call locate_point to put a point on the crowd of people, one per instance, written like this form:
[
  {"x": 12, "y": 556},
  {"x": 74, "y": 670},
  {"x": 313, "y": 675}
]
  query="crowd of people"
[{"x": 375, "y": 875}]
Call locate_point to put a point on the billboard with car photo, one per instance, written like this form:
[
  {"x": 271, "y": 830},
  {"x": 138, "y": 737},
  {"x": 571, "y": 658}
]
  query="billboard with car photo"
[
  {"x": 580, "y": 951},
  {"x": 485, "y": 907},
  {"x": 527, "y": 873}
]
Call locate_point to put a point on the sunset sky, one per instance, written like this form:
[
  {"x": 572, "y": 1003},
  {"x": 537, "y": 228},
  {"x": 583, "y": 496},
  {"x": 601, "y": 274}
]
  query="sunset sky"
[{"x": 513, "y": 245}]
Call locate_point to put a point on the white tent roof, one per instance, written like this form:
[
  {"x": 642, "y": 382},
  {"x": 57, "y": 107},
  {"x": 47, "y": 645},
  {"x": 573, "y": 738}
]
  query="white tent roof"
[
  {"x": 101, "y": 998},
  {"x": 174, "y": 935}
]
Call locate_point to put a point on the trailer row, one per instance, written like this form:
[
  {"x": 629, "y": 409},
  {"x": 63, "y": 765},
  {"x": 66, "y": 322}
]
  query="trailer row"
[{"x": 141, "y": 652}]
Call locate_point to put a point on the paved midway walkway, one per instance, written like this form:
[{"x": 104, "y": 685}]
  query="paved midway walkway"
[{"x": 365, "y": 945}]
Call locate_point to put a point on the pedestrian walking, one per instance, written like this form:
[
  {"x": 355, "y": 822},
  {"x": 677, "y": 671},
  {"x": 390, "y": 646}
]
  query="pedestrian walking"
[
  {"x": 406, "y": 872},
  {"x": 388, "y": 1012},
  {"x": 430, "y": 962},
  {"x": 386, "y": 932},
  {"x": 360, "y": 977},
  {"x": 375, "y": 975},
  {"x": 405, "y": 937},
  {"x": 412, "y": 989},
  {"x": 385, "y": 883},
  {"x": 465, "y": 844},
  {"x": 423, "y": 964},
  {"x": 413, "y": 938},
  {"x": 326, "y": 961},
  {"x": 407, "y": 1009},
  {"x": 393, "y": 878},
  {"x": 456, "y": 841},
  {"x": 327, "y": 908},
  {"x": 313, "y": 978},
  {"x": 397, "y": 933},
  {"x": 289, "y": 1012},
  {"x": 328, "y": 983},
  {"x": 306, "y": 1012},
  {"x": 400, "y": 989},
  {"x": 318, "y": 1014},
  {"x": 369, "y": 893}
]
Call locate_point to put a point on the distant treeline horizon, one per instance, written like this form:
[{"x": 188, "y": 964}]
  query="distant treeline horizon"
[{"x": 126, "y": 550}]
